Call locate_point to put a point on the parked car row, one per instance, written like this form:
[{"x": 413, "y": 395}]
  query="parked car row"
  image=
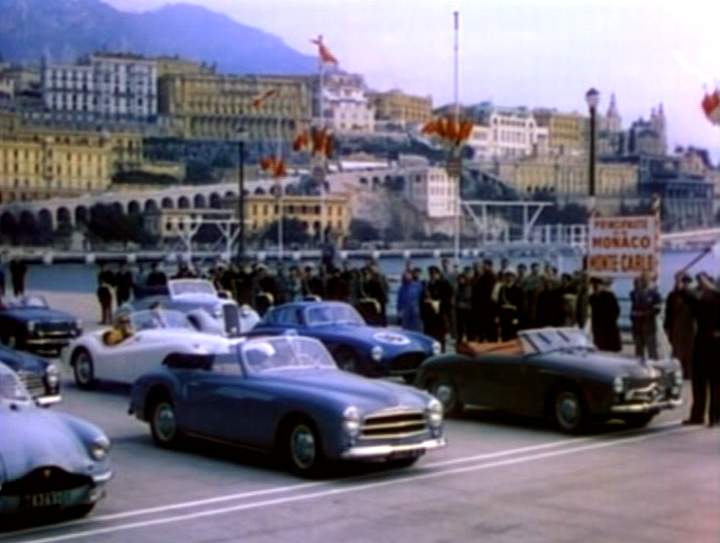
[{"x": 299, "y": 377}]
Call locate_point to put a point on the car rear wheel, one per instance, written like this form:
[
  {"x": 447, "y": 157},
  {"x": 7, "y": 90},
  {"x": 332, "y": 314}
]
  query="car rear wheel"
[
  {"x": 347, "y": 360},
  {"x": 83, "y": 369},
  {"x": 163, "y": 423},
  {"x": 304, "y": 449},
  {"x": 569, "y": 410},
  {"x": 446, "y": 391}
]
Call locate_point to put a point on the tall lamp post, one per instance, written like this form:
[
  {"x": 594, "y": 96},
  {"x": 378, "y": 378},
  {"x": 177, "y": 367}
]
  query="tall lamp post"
[
  {"x": 592, "y": 97},
  {"x": 240, "y": 131}
]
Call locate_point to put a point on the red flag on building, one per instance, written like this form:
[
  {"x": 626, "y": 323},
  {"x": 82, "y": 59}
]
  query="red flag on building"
[
  {"x": 260, "y": 99},
  {"x": 711, "y": 106},
  {"x": 324, "y": 53}
]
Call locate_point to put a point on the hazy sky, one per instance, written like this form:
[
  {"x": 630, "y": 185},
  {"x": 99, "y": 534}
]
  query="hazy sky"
[{"x": 515, "y": 52}]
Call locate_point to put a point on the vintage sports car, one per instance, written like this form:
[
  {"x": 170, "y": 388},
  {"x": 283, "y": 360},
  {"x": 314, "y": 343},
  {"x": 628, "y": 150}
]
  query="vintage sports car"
[
  {"x": 40, "y": 377},
  {"x": 138, "y": 342},
  {"x": 195, "y": 296},
  {"x": 554, "y": 372},
  {"x": 284, "y": 394},
  {"x": 356, "y": 347},
  {"x": 49, "y": 461},
  {"x": 28, "y": 323}
]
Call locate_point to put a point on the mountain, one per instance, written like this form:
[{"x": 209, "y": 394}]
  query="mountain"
[{"x": 66, "y": 29}]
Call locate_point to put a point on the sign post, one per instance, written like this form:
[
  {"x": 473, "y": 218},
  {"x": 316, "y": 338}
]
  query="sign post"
[{"x": 623, "y": 246}]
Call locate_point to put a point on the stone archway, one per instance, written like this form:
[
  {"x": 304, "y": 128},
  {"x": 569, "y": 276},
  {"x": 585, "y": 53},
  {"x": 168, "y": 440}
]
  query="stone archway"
[
  {"x": 81, "y": 215},
  {"x": 63, "y": 218},
  {"x": 215, "y": 200},
  {"x": 151, "y": 206},
  {"x": 8, "y": 226},
  {"x": 167, "y": 203},
  {"x": 133, "y": 207},
  {"x": 45, "y": 221},
  {"x": 199, "y": 201},
  {"x": 183, "y": 202}
]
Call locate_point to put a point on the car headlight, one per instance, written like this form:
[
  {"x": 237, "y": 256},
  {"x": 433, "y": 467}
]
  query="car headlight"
[
  {"x": 99, "y": 448},
  {"x": 435, "y": 413},
  {"x": 78, "y": 324},
  {"x": 217, "y": 311},
  {"x": 52, "y": 375},
  {"x": 436, "y": 347},
  {"x": 351, "y": 421},
  {"x": 678, "y": 378},
  {"x": 31, "y": 326},
  {"x": 618, "y": 385},
  {"x": 376, "y": 353}
]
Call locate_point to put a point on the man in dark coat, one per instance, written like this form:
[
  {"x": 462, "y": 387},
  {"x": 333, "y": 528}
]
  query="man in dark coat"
[
  {"x": 123, "y": 285},
  {"x": 605, "y": 311},
  {"x": 645, "y": 307},
  {"x": 18, "y": 270},
  {"x": 484, "y": 309},
  {"x": 679, "y": 323},
  {"x": 436, "y": 307},
  {"x": 705, "y": 304}
]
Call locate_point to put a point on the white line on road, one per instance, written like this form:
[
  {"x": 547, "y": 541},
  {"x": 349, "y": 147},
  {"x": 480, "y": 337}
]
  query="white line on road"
[{"x": 356, "y": 487}]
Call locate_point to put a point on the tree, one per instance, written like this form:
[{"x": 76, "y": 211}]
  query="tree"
[
  {"x": 362, "y": 230},
  {"x": 107, "y": 223}
]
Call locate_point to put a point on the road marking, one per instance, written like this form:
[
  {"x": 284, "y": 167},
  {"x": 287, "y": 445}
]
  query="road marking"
[{"x": 361, "y": 486}]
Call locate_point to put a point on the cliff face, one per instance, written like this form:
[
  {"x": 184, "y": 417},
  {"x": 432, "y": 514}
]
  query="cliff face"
[{"x": 63, "y": 30}]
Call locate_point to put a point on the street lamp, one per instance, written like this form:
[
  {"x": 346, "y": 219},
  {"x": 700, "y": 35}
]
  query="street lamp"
[
  {"x": 240, "y": 131},
  {"x": 592, "y": 97}
]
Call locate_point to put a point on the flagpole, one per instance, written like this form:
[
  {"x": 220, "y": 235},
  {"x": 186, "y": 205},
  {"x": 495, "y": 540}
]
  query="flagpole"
[
  {"x": 456, "y": 47},
  {"x": 279, "y": 188},
  {"x": 321, "y": 100}
]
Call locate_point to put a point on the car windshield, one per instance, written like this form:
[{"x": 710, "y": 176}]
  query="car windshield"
[
  {"x": 27, "y": 302},
  {"x": 155, "y": 319},
  {"x": 11, "y": 389},
  {"x": 547, "y": 340},
  {"x": 191, "y": 286},
  {"x": 318, "y": 315},
  {"x": 284, "y": 353}
]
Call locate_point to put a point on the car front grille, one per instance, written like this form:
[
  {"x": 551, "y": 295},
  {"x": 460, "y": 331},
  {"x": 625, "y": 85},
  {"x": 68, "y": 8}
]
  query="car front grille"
[
  {"x": 393, "y": 424},
  {"x": 655, "y": 391},
  {"x": 230, "y": 316},
  {"x": 408, "y": 362},
  {"x": 56, "y": 328},
  {"x": 44, "y": 479},
  {"x": 33, "y": 382}
]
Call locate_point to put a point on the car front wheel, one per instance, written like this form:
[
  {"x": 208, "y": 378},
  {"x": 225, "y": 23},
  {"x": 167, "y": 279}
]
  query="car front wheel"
[
  {"x": 304, "y": 449},
  {"x": 83, "y": 369},
  {"x": 569, "y": 410},
  {"x": 163, "y": 423}
]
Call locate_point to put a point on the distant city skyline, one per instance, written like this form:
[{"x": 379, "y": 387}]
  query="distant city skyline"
[{"x": 514, "y": 52}]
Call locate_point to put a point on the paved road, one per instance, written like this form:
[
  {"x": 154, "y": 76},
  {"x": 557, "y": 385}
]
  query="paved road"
[{"x": 501, "y": 479}]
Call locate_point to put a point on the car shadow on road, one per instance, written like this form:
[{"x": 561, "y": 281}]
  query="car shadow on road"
[{"x": 36, "y": 520}]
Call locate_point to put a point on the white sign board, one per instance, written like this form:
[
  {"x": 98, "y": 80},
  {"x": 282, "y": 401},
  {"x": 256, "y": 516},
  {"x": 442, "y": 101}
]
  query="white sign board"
[{"x": 623, "y": 246}]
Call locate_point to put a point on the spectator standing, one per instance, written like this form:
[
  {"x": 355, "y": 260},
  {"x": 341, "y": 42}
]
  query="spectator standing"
[
  {"x": 156, "y": 277},
  {"x": 3, "y": 270},
  {"x": 409, "y": 298},
  {"x": 645, "y": 307},
  {"x": 509, "y": 302},
  {"x": 605, "y": 311},
  {"x": 483, "y": 307},
  {"x": 679, "y": 323},
  {"x": 463, "y": 309},
  {"x": 123, "y": 285},
  {"x": 106, "y": 281},
  {"x": 18, "y": 271},
  {"x": 436, "y": 306}
]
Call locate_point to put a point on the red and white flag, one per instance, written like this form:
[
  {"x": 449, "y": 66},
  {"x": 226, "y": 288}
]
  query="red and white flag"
[
  {"x": 711, "y": 106},
  {"x": 326, "y": 56}
]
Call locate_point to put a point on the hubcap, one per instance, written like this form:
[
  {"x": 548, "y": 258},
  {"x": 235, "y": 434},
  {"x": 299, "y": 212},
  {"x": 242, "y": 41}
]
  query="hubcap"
[
  {"x": 568, "y": 410},
  {"x": 444, "y": 392},
  {"x": 165, "y": 422},
  {"x": 302, "y": 446}
]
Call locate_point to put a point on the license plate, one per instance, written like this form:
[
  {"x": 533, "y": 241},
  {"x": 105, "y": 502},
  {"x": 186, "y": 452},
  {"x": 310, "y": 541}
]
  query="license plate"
[{"x": 55, "y": 498}]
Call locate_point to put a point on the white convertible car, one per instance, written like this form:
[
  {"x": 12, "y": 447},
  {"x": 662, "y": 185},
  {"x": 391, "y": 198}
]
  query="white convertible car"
[{"x": 139, "y": 341}]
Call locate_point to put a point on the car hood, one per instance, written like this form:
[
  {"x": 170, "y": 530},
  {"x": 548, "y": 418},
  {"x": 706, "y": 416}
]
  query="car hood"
[
  {"x": 38, "y": 314},
  {"x": 389, "y": 339},
  {"x": 34, "y": 437},
  {"x": 22, "y": 361},
  {"x": 347, "y": 389},
  {"x": 200, "y": 299},
  {"x": 603, "y": 363}
]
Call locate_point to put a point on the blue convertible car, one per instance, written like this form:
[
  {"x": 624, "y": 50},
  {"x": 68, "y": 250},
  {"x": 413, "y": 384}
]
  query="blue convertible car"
[
  {"x": 49, "y": 462},
  {"x": 285, "y": 395},
  {"x": 356, "y": 347}
]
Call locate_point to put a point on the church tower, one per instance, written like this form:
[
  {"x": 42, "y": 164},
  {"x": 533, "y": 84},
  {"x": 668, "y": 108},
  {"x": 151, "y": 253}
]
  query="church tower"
[{"x": 613, "y": 121}]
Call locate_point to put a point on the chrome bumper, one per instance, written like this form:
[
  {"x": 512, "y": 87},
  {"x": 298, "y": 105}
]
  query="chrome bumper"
[
  {"x": 101, "y": 478},
  {"x": 646, "y": 407},
  {"x": 52, "y": 341},
  {"x": 48, "y": 400},
  {"x": 381, "y": 451}
]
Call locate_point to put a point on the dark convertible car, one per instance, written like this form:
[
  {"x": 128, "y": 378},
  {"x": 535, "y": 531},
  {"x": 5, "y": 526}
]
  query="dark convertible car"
[
  {"x": 40, "y": 377},
  {"x": 284, "y": 394},
  {"x": 28, "y": 323},
  {"x": 356, "y": 347},
  {"x": 554, "y": 372},
  {"x": 49, "y": 462}
]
